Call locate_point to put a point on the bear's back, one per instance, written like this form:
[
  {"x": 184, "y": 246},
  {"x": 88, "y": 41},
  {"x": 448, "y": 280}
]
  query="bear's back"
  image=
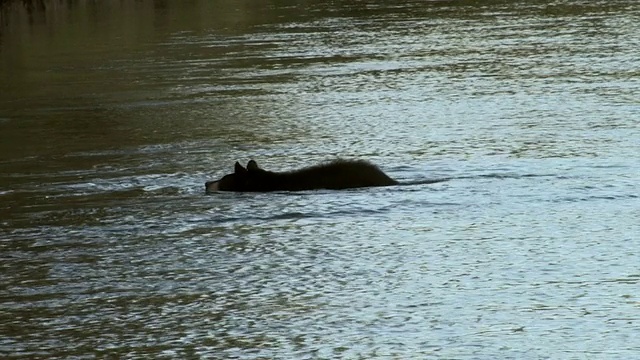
[{"x": 341, "y": 174}]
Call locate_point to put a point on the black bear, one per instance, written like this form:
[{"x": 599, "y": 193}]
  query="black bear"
[{"x": 336, "y": 175}]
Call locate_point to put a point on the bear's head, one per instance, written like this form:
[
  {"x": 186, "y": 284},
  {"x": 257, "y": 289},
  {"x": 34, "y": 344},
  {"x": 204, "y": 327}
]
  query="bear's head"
[{"x": 242, "y": 179}]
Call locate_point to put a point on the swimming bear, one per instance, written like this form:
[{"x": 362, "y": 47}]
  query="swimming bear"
[{"x": 336, "y": 175}]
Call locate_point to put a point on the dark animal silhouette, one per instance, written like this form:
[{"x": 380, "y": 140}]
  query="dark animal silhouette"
[{"x": 336, "y": 175}]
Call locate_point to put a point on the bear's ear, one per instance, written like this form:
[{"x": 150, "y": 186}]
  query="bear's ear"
[
  {"x": 252, "y": 165},
  {"x": 239, "y": 169}
]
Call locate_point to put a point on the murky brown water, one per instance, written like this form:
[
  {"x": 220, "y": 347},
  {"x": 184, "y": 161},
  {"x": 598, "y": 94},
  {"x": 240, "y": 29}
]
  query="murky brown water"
[{"x": 114, "y": 114}]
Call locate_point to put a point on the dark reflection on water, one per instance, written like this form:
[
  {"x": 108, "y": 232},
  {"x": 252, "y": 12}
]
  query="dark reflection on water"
[{"x": 114, "y": 114}]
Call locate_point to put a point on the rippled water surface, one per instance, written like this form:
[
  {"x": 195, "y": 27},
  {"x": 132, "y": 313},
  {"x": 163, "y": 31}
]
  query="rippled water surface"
[{"x": 114, "y": 114}]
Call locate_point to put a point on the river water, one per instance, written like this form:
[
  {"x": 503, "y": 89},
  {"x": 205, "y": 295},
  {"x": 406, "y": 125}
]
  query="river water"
[{"x": 114, "y": 114}]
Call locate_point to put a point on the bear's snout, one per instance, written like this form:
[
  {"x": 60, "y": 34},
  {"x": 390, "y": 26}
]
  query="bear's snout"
[{"x": 211, "y": 186}]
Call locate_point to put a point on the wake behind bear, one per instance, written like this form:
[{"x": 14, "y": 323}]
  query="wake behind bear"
[{"x": 336, "y": 175}]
